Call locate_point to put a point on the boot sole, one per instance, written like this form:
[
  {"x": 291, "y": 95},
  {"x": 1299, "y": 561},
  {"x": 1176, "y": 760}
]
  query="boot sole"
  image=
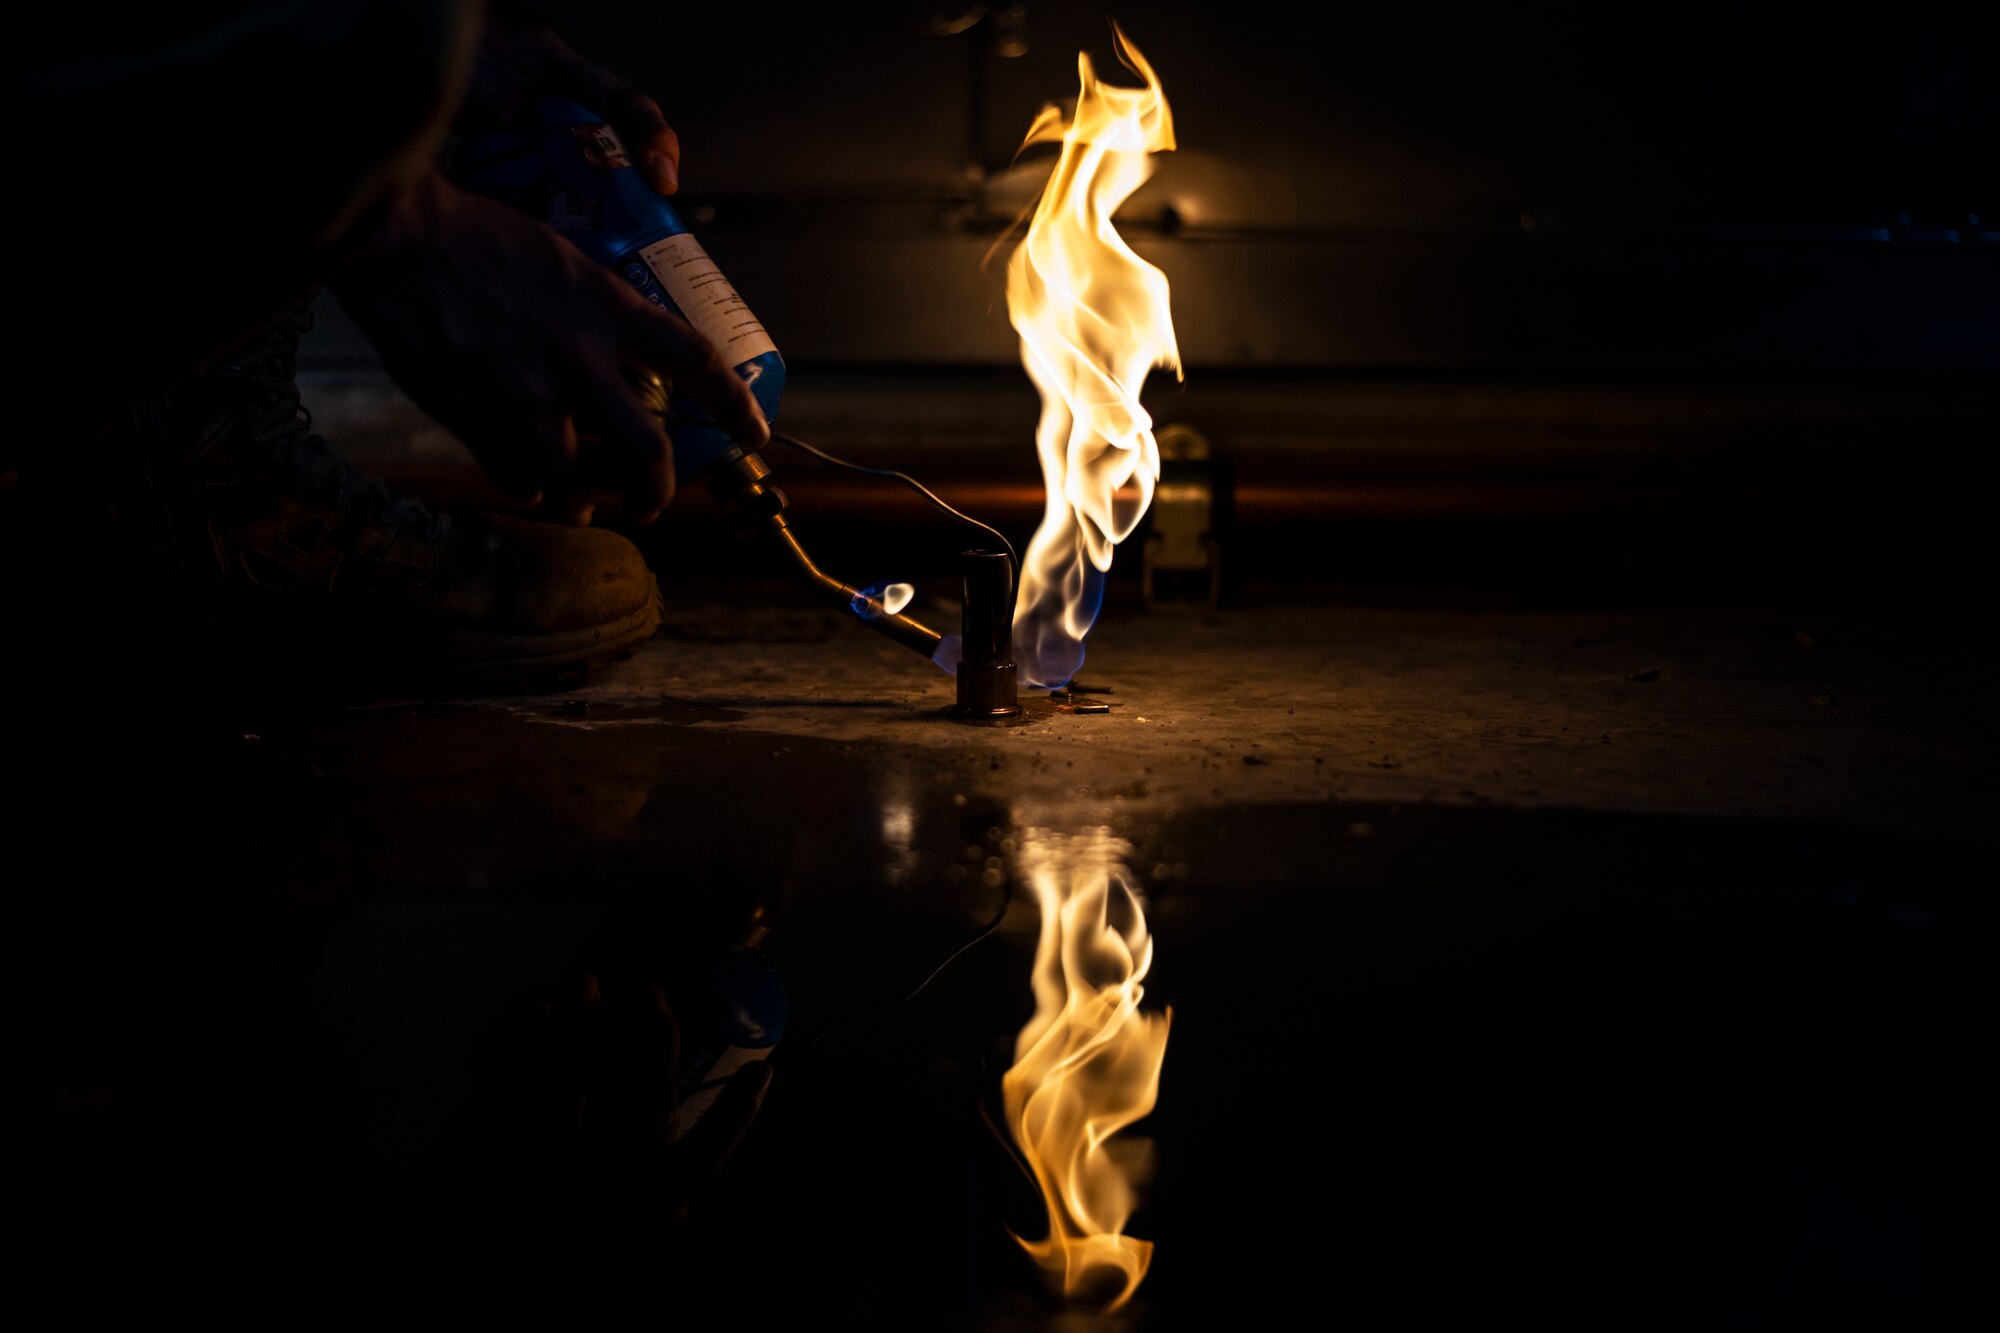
[
  {"x": 306, "y": 658},
  {"x": 485, "y": 658}
]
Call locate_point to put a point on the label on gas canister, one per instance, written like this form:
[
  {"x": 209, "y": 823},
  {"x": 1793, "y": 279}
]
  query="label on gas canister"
[
  {"x": 601, "y": 146},
  {"x": 696, "y": 285}
]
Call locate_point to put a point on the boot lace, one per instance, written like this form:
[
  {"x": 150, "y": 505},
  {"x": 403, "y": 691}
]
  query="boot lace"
[{"x": 284, "y": 425}]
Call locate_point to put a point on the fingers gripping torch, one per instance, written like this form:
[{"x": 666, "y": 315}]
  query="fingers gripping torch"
[{"x": 571, "y": 171}]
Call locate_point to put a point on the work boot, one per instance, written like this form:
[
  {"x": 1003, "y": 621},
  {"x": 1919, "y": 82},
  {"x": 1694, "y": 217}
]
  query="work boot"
[{"x": 273, "y": 553}]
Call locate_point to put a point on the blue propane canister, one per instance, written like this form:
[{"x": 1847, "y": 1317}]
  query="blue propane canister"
[
  {"x": 697, "y": 946},
  {"x": 572, "y": 171},
  {"x": 741, "y": 1019}
]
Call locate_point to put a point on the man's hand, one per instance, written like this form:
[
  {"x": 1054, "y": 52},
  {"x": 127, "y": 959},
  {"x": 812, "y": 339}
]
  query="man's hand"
[
  {"x": 520, "y": 59},
  {"x": 510, "y": 337}
]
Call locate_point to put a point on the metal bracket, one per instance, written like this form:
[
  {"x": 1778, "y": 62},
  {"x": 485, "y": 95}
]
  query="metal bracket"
[{"x": 1183, "y": 553}]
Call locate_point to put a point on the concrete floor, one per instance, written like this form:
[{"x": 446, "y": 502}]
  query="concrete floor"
[
  {"x": 1743, "y": 714},
  {"x": 1535, "y": 958}
]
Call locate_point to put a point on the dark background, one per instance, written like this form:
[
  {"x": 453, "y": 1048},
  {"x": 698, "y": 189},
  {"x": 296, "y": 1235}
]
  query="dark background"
[
  {"x": 1498, "y": 303},
  {"x": 1539, "y": 305},
  {"x": 1549, "y": 187},
  {"x": 1596, "y": 312}
]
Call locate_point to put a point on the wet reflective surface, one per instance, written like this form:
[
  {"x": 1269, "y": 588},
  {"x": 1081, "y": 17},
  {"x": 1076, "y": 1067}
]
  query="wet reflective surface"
[{"x": 1628, "y": 969}]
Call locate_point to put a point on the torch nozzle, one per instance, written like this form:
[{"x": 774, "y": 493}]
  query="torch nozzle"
[
  {"x": 867, "y": 607},
  {"x": 740, "y": 483}
]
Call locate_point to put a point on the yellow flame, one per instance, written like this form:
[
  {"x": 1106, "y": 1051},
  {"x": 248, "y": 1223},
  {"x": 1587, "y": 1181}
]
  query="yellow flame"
[
  {"x": 1093, "y": 320},
  {"x": 1087, "y": 1065}
]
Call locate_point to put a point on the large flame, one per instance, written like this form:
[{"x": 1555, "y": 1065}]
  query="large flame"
[
  {"x": 1093, "y": 321},
  {"x": 1086, "y": 1065}
]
